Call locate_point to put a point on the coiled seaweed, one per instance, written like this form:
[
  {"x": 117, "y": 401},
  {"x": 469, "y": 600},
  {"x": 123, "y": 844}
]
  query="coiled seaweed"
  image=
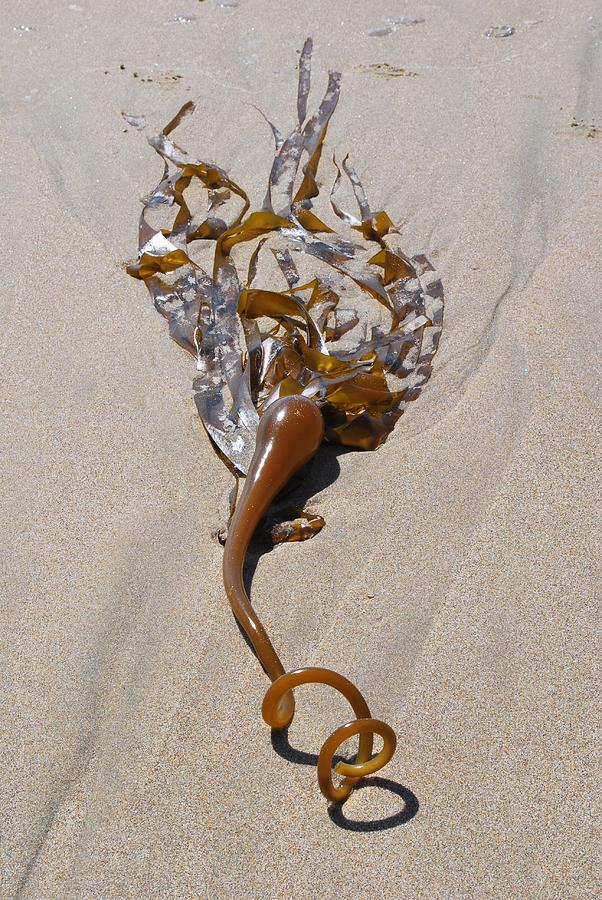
[{"x": 279, "y": 370}]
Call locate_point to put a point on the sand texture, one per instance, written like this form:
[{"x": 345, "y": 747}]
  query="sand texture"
[{"x": 455, "y": 581}]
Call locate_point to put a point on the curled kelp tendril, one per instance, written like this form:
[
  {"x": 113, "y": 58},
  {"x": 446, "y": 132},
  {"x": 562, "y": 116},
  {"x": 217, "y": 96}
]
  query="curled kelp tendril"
[
  {"x": 297, "y": 351},
  {"x": 364, "y": 726}
]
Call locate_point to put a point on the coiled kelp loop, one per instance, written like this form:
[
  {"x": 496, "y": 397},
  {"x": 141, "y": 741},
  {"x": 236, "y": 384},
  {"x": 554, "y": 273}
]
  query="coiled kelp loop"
[{"x": 364, "y": 726}]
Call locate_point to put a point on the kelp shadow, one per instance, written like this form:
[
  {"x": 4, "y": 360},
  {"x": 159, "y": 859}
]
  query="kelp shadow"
[{"x": 411, "y": 805}]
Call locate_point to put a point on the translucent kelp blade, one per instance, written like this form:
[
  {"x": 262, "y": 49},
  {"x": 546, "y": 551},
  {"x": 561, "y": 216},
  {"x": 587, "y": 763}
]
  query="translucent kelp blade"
[
  {"x": 202, "y": 313},
  {"x": 375, "y": 227},
  {"x": 284, "y": 172},
  {"x": 345, "y": 322},
  {"x": 341, "y": 213},
  {"x": 306, "y": 138},
  {"x": 150, "y": 263},
  {"x": 304, "y": 80},
  {"x": 364, "y": 432},
  {"x": 278, "y": 139},
  {"x": 180, "y": 304},
  {"x": 222, "y": 394},
  {"x": 358, "y": 188},
  {"x": 287, "y": 266},
  {"x": 314, "y": 134},
  {"x": 340, "y": 258},
  {"x": 309, "y": 220},
  {"x": 315, "y": 128},
  {"x": 252, "y": 270}
]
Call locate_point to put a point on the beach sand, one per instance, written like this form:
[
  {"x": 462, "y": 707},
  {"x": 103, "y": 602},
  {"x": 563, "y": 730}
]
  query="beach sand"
[{"x": 455, "y": 581}]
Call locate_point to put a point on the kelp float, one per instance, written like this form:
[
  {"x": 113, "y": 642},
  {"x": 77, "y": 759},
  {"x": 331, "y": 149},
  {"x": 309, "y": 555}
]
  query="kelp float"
[{"x": 300, "y": 333}]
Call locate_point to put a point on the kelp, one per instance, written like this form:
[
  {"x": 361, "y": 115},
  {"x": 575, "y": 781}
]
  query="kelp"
[{"x": 354, "y": 335}]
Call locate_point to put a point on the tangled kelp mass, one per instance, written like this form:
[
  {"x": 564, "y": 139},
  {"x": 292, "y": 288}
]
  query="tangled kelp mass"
[{"x": 342, "y": 321}]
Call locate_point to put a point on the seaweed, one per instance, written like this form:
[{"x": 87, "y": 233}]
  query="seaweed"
[{"x": 354, "y": 336}]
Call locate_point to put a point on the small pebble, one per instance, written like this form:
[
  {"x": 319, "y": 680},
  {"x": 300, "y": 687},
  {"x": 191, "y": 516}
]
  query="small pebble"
[
  {"x": 404, "y": 20},
  {"x": 135, "y": 121},
  {"x": 499, "y": 31},
  {"x": 381, "y": 32}
]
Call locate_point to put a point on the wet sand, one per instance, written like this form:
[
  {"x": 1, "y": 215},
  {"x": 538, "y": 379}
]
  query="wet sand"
[{"x": 455, "y": 582}]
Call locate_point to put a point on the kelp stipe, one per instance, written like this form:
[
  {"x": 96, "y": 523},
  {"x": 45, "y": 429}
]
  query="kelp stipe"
[
  {"x": 268, "y": 394},
  {"x": 290, "y": 431}
]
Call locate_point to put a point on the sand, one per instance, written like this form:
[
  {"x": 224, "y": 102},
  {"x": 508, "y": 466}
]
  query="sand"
[{"x": 455, "y": 582}]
